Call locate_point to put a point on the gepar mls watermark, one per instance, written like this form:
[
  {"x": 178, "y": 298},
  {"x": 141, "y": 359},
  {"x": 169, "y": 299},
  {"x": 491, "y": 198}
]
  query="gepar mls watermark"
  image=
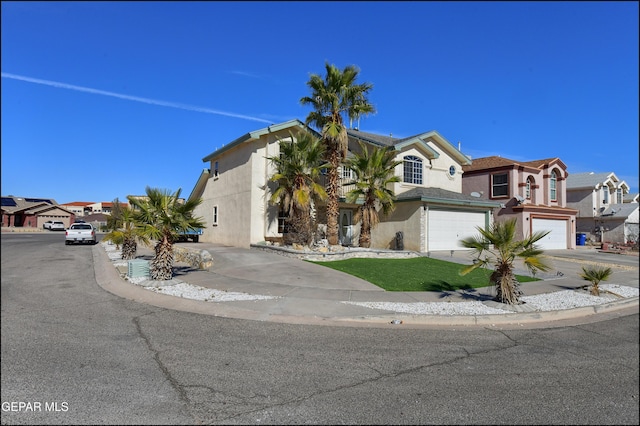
[{"x": 35, "y": 406}]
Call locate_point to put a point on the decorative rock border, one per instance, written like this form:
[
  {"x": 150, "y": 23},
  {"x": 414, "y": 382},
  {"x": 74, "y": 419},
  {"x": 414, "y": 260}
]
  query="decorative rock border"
[
  {"x": 200, "y": 259},
  {"x": 326, "y": 254}
]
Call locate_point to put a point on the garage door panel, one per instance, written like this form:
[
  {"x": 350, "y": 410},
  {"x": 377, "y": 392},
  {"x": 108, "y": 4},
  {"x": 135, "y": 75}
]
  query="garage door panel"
[
  {"x": 557, "y": 238},
  {"x": 446, "y": 228}
]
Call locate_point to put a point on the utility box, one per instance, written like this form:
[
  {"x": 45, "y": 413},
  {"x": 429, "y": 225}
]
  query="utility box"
[{"x": 138, "y": 268}]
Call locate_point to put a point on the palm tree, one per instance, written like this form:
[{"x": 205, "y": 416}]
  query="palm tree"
[
  {"x": 374, "y": 172},
  {"x": 335, "y": 98},
  {"x": 162, "y": 216},
  {"x": 297, "y": 171},
  {"x": 125, "y": 232},
  {"x": 595, "y": 275},
  {"x": 499, "y": 247}
]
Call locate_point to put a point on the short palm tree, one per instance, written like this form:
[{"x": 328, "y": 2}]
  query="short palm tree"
[
  {"x": 334, "y": 98},
  {"x": 162, "y": 216},
  {"x": 125, "y": 232},
  {"x": 297, "y": 171},
  {"x": 499, "y": 247},
  {"x": 595, "y": 275},
  {"x": 375, "y": 171}
]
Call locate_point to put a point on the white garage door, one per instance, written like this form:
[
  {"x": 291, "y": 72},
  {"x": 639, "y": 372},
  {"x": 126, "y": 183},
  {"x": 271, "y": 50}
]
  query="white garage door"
[
  {"x": 557, "y": 238},
  {"x": 446, "y": 228}
]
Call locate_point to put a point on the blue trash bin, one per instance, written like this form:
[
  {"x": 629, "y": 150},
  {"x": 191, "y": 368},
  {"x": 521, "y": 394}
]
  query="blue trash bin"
[{"x": 581, "y": 239}]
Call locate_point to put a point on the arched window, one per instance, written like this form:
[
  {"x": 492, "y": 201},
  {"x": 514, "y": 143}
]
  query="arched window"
[
  {"x": 413, "y": 169},
  {"x": 552, "y": 185},
  {"x": 527, "y": 191}
]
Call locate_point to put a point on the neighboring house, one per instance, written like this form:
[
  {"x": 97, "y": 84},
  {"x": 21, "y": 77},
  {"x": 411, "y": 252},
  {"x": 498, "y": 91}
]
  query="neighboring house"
[
  {"x": 605, "y": 210},
  {"x": 33, "y": 212},
  {"x": 107, "y": 207},
  {"x": 83, "y": 208},
  {"x": 533, "y": 192},
  {"x": 431, "y": 211}
]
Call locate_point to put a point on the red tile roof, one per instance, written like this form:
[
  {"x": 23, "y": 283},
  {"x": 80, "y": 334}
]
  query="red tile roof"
[{"x": 493, "y": 162}]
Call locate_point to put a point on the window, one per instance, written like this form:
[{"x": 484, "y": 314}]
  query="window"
[
  {"x": 605, "y": 195},
  {"x": 527, "y": 191},
  {"x": 452, "y": 171},
  {"x": 216, "y": 171},
  {"x": 500, "y": 185},
  {"x": 215, "y": 216},
  {"x": 619, "y": 196},
  {"x": 412, "y": 169},
  {"x": 347, "y": 173},
  {"x": 552, "y": 185}
]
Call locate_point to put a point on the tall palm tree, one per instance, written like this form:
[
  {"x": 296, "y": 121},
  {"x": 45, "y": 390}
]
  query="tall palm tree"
[
  {"x": 499, "y": 247},
  {"x": 374, "y": 171},
  {"x": 125, "y": 232},
  {"x": 162, "y": 216},
  {"x": 297, "y": 171},
  {"x": 334, "y": 98}
]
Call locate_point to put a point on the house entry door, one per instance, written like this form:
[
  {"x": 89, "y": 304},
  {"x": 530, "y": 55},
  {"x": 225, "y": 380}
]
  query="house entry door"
[{"x": 346, "y": 227}]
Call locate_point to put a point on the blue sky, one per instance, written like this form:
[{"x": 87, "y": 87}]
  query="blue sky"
[{"x": 101, "y": 99}]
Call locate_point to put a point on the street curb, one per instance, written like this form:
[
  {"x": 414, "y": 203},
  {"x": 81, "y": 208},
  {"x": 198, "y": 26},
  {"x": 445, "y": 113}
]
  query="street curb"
[{"x": 108, "y": 277}]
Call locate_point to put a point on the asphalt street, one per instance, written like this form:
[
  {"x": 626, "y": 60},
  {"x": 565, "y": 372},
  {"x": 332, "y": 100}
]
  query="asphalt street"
[{"x": 88, "y": 356}]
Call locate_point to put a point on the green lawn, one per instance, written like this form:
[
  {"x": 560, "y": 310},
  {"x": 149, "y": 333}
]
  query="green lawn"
[{"x": 415, "y": 274}]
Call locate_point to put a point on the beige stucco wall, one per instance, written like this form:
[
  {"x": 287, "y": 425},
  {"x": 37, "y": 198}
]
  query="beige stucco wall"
[
  {"x": 405, "y": 218},
  {"x": 241, "y": 192},
  {"x": 435, "y": 172},
  {"x": 582, "y": 200}
]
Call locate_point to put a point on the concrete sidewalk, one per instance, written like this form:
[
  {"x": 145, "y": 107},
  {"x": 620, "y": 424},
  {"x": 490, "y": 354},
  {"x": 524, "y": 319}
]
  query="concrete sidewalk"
[{"x": 313, "y": 294}]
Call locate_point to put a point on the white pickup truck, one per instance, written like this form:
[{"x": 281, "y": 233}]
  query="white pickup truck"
[{"x": 80, "y": 233}]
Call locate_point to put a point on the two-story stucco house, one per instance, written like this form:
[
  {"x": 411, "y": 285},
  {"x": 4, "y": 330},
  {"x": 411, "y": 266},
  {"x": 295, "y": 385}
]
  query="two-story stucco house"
[
  {"x": 603, "y": 215},
  {"x": 431, "y": 211},
  {"x": 534, "y": 192}
]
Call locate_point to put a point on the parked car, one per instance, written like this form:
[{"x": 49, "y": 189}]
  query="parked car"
[
  {"x": 47, "y": 224},
  {"x": 57, "y": 226},
  {"x": 80, "y": 233}
]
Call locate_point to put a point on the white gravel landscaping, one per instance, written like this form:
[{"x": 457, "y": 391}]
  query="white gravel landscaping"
[{"x": 566, "y": 299}]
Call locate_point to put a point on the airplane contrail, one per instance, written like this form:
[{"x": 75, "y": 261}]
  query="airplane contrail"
[{"x": 131, "y": 98}]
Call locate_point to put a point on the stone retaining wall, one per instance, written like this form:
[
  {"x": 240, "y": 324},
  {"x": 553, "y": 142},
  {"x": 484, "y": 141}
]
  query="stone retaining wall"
[{"x": 336, "y": 253}]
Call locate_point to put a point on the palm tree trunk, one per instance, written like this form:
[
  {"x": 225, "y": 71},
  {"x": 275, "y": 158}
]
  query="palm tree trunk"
[
  {"x": 507, "y": 285},
  {"x": 129, "y": 249},
  {"x": 333, "y": 186},
  {"x": 162, "y": 263}
]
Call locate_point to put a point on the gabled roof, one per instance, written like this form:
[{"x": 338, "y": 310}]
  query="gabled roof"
[
  {"x": 631, "y": 198},
  {"x": 496, "y": 162},
  {"x": 198, "y": 188},
  {"x": 421, "y": 140},
  {"x": 593, "y": 180},
  {"x": 442, "y": 196},
  {"x": 620, "y": 210},
  {"x": 261, "y": 132},
  {"x": 12, "y": 204}
]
